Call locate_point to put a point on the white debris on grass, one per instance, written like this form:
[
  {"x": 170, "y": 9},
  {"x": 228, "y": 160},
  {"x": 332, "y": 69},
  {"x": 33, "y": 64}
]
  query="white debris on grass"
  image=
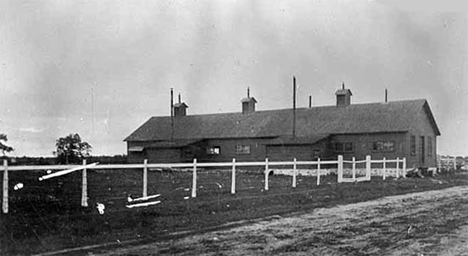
[
  {"x": 144, "y": 198},
  {"x": 100, "y": 207},
  {"x": 49, "y": 171},
  {"x": 18, "y": 186},
  {"x": 143, "y": 204},
  {"x": 186, "y": 197},
  {"x": 219, "y": 185}
]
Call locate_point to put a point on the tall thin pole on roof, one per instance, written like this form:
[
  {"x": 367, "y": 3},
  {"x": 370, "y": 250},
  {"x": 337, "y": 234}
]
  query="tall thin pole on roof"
[
  {"x": 294, "y": 108},
  {"x": 172, "y": 114},
  {"x": 386, "y": 95},
  {"x": 310, "y": 101}
]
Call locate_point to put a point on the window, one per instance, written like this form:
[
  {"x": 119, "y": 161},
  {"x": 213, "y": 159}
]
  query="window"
[
  {"x": 213, "y": 150},
  {"x": 429, "y": 146},
  {"x": 242, "y": 149},
  {"x": 344, "y": 147},
  {"x": 384, "y": 146},
  {"x": 413, "y": 145}
]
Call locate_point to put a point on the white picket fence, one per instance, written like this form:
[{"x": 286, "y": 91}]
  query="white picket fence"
[
  {"x": 447, "y": 163},
  {"x": 65, "y": 169}
]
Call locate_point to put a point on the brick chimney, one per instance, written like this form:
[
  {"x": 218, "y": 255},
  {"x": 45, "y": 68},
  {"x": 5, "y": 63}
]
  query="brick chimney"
[
  {"x": 343, "y": 97},
  {"x": 248, "y": 104},
  {"x": 180, "y": 108}
]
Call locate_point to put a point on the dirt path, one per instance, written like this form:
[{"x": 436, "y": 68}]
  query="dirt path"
[{"x": 427, "y": 223}]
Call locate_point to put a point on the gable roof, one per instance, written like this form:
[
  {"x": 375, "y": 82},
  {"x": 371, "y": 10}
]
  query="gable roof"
[
  {"x": 396, "y": 116},
  {"x": 249, "y": 99},
  {"x": 343, "y": 92}
]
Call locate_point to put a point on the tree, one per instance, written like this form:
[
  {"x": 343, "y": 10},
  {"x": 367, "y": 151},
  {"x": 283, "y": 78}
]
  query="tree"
[
  {"x": 4, "y": 148},
  {"x": 71, "y": 149}
]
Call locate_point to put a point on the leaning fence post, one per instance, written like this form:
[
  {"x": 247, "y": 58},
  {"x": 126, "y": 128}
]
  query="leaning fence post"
[
  {"x": 384, "y": 168},
  {"x": 294, "y": 173},
  {"x": 368, "y": 167},
  {"x": 145, "y": 178},
  {"x": 84, "y": 187},
  {"x": 318, "y": 171},
  {"x": 233, "y": 179},
  {"x": 266, "y": 173},
  {"x": 194, "y": 178},
  {"x": 354, "y": 168},
  {"x": 340, "y": 168},
  {"x": 404, "y": 167},
  {"x": 5, "y": 186},
  {"x": 454, "y": 163},
  {"x": 398, "y": 167}
]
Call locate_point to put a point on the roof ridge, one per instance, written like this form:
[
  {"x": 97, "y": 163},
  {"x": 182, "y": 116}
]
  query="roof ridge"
[{"x": 302, "y": 108}]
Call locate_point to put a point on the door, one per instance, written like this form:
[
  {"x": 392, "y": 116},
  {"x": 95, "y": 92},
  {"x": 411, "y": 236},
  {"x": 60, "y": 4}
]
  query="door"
[{"x": 423, "y": 146}]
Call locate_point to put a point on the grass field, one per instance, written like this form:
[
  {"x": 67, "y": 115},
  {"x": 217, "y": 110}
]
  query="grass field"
[{"x": 47, "y": 216}]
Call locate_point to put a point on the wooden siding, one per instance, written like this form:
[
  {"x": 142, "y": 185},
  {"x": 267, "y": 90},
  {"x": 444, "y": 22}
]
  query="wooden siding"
[
  {"x": 422, "y": 127},
  {"x": 289, "y": 152},
  {"x": 363, "y": 145},
  {"x": 163, "y": 155}
]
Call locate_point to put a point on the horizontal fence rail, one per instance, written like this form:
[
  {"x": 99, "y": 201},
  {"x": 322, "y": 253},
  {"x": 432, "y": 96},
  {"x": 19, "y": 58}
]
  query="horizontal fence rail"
[{"x": 145, "y": 166}]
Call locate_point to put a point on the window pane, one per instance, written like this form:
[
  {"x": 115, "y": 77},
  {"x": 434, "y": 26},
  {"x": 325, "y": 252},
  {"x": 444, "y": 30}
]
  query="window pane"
[
  {"x": 242, "y": 149},
  {"x": 389, "y": 146},
  {"x": 377, "y": 145},
  {"x": 338, "y": 147},
  {"x": 348, "y": 147},
  {"x": 213, "y": 151}
]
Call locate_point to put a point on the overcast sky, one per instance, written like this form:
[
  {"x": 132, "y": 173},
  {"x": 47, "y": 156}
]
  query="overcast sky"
[{"x": 102, "y": 68}]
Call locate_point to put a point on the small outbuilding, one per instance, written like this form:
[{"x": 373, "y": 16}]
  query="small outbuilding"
[{"x": 384, "y": 129}]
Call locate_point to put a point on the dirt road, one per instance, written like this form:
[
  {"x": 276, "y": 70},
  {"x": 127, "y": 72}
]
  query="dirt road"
[{"x": 427, "y": 223}]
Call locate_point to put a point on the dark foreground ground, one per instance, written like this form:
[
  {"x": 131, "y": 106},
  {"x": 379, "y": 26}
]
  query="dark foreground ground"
[
  {"x": 423, "y": 223},
  {"x": 46, "y": 216}
]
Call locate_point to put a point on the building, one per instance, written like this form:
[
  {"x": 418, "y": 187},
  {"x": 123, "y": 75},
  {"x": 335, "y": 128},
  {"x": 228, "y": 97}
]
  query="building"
[{"x": 388, "y": 129}]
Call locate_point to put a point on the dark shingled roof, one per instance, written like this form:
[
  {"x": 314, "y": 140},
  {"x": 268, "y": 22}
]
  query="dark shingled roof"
[
  {"x": 289, "y": 140},
  {"x": 396, "y": 116}
]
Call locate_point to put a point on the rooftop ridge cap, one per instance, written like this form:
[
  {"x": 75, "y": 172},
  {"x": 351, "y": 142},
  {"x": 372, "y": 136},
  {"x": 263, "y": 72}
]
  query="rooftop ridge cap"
[{"x": 301, "y": 108}]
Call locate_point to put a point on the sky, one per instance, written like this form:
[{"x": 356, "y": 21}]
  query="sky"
[{"x": 102, "y": 68}]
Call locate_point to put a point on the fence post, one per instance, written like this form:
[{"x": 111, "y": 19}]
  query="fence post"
[
  {"x": 266, "y": 173},
  {"x": 354, "y": 168},
  {"x": 294, "y": 173},
  {"x": 84, "y": 187},
  {"x": 368, "y": 167},
  {"x": 145, "y": 178},
  {"x": 404, "y": 167},
  {"x": 340, "y": 168},
  {"x": 5, "y": 186},
  {"x": 318, "y": 171},
  {"x": 194, "y": 178},
  {"x": 233, "y": 180},
  {"x": 454, "y": 163},
  {"x": 398, "y": 167},
  {"x": 384, "y": 168}
]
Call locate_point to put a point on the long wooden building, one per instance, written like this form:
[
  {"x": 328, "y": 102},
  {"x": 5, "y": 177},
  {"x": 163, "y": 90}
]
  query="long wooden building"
[{"x": 388, "y": 129}]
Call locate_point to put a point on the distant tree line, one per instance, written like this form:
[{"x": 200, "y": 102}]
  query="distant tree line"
[
  {"x": 70, "y": 149},
  {"x": 27, "y": 160}
]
